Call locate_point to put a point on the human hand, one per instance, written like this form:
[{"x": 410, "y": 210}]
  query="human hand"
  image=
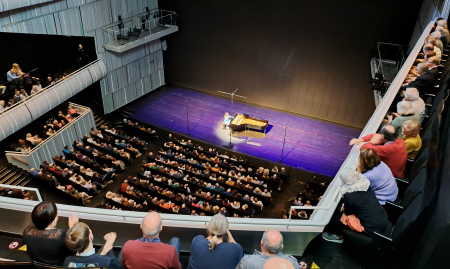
[
  {"x": 396, "y": 114},
  {"x": 110, "y": 237},
  {"x": 355, "y": 141},
  {"x": 342, "y": 208},
  {"x": 73, "y": 219},
  {"x": 389, "y": 118}
]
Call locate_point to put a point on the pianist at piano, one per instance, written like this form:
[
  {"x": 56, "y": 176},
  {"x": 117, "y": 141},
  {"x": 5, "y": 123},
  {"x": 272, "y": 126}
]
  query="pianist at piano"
[{"x": 245, "y": 122}]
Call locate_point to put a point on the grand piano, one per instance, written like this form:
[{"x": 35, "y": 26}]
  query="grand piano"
[{"x": 242, "y": 122}]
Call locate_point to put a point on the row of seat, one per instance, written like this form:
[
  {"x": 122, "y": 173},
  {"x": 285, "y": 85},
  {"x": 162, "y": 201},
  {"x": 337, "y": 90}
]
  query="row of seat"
[{"x": 415, "y": 190}]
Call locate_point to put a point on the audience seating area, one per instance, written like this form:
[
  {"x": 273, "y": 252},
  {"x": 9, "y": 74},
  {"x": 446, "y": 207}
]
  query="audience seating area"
[
  {"x": 55, "y": 122},
  {"x": 21, "y": 86},
  {"x": 419, "y": 186},
  {"x": 205, "y": 183}
]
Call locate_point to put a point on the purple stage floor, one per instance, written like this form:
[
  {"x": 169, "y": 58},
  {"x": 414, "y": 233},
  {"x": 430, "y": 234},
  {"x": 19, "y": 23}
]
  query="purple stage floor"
[{"x": 311, "y": 144}]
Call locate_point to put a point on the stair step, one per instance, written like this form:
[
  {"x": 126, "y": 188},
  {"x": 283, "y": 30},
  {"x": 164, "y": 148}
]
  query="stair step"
[
  {"x": 20, "y": 180},
  {"x": 25, "y": 182}
]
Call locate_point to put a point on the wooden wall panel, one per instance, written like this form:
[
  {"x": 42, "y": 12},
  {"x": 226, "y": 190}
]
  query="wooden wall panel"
[{"x": 307, "y": 57}]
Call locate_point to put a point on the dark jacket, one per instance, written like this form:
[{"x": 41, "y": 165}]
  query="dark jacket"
[
  {"x": 424, "y": 83},
  {"x": 365, "y": 206}
]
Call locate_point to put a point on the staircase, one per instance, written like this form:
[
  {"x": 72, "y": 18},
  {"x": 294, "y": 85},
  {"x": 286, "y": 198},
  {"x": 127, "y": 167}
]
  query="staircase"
[
  {"x": 14, "y": 176},
  {"x": 100, "y": 119}
]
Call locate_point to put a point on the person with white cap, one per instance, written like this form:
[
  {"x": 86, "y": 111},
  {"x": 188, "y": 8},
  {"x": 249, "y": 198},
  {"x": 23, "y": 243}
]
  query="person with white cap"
[{"x": 360, "y": 201}]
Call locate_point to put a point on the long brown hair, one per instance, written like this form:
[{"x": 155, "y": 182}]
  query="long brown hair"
[{"x": 368, "y": 158}]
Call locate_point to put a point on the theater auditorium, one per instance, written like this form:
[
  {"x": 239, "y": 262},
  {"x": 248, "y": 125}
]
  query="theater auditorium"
[{"x": 224, "y": 134}]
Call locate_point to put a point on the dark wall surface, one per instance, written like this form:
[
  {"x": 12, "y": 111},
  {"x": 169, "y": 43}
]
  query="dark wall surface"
[
  {"x": 51, "y": 54},
  {"x": 306, "y": 57}
]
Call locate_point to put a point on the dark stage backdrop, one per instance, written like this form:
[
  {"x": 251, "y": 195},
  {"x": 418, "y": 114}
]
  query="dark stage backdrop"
[
  {"x": 51, "y": 54},
  {"x": 306, "y": 57}
]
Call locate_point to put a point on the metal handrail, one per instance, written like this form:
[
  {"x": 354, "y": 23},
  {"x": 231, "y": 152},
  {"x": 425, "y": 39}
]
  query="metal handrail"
[
  {"x": 125, "y": 30},
  {"x": 47, "y": 88},
  {"x": 371, "y": 127},
  {"x": 36, "y": 190}
]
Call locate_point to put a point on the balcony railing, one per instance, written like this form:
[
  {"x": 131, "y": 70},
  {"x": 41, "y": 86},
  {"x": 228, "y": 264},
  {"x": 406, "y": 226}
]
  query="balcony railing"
[
  {"x": 44, "y": 151},
  {"x": 152, "y": 25},
  {"x": 331, "y": 198},
  {"x": 24, "y": 112}
]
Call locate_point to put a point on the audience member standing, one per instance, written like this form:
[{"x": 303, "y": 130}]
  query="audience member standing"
[
  {"x": 80, "y": 240},
  {"x": 81, "y": 56},
  {"x": 390, "y": 148},
  {"x": 148, "y": 251},
  {"x": 213, "y": 251},
  {"x": 378, "y": 173},
  {"x": 45, "y": 243},
  {"x": 271, "y": 246}
]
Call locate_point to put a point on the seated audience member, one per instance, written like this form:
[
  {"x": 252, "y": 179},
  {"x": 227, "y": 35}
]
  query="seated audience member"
[
  {"x": 149, "y": 251},
  {"x": 389, "y": 147},
  {"x": 425, "y": 82},
  {"x": 277, "y": 263},
  {"x": 413, "y": 142},
  {"x": 34, "y": 90},
  {"x": 212, "y": 251},
  {"x": 23, "y": 94},
  {"x": 437, "y": 35},
  {"x": 417, "y": 103},
  {"x": 433, "y": 63},
  {"x": 431, "y": 40},
  {"x": 45, "y": 243},
  {"x": 2, "y": 105},
  {"x": 382, "y": 182},
  {"x": 11, "y": 74},
  {"x": 16, "y": 97},
  {"x": 80, "y": 240},
  {"x": 271, "y": 246},
  {"x": 444, "y": 38},
  {"x": 404, "y": 112},
  {"x": 359, "y": 201}
]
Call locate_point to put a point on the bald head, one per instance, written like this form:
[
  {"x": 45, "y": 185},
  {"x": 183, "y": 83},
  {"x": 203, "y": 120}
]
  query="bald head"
[
  {"x": 272, "y": 242},
  {"x": 278, "y": 263},
  {"x": 390, "y": 128},
  {"x": 151, "y": 225}
]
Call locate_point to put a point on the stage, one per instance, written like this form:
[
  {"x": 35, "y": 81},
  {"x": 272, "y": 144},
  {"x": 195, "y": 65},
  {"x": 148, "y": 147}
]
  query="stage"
[{"x": 311, "y": 144}]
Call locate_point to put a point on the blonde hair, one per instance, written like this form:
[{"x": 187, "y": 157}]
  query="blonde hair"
[
  {"x": 217, "y": 226},
  {"x": 17, "y": 68},
  {"x": 266, "y": 172},
  {"x": 412, "y": 126}
]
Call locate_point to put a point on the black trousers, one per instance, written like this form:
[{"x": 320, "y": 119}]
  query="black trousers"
[{"x": 335, "y": 225}]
